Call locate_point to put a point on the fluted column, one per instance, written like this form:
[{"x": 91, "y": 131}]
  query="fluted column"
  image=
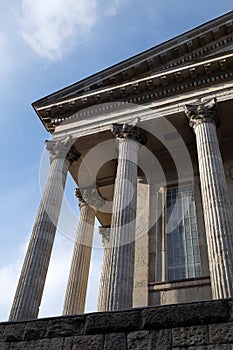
[
  {"x": 32, "y": 279},
  {"x": 78, "y": 278},
  {"x": 102, "y": 299},
  {"x": 122, "y": 234},
  {"x": 217, "y": 215}
]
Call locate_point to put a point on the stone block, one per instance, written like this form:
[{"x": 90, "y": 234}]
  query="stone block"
[
  {"x": 208, "y": 347},
  {"x": 230, "y": 302},
  {"x": 68, "y": 343},
  {"x": 116, "y": 341},
  {"x": 2, "y": 328},
  {"x": 221, "y": 333},
  {"x": 4, "y": 346},
  {"x": 137, "y": 340},
  {"x": 88, "y": 342},
  {"x": 110, "y": 322},
  {"x": 185, "y": 314},
  {"x": 44, "y": 344},
  {"x": 194, "y": 335},
  {"x": 14, "y": 332},
  {"x": 19, "y": 346},
  {"x": 55, "y": 344},
  {"x": 35, "y": 330},
  {"x": 29, "y": 345},
  {"x": 161, "y": 339},
  {"x": 66, "y": 327}
]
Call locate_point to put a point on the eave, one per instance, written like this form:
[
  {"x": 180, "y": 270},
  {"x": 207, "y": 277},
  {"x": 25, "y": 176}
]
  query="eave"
[{"x": 179, "y": 64}]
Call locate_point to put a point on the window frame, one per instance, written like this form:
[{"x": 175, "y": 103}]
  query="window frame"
[
  {"x": 161, "y": 271},
  {"x": 191, "y": 266}
]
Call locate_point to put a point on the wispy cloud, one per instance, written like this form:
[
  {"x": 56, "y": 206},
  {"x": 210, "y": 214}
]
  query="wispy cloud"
[
  {"x": 51, "y": 28},
  {"x": 9, "y": 274}
]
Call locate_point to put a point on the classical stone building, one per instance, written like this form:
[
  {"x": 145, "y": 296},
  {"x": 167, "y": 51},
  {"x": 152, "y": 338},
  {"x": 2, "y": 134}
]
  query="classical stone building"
[{"x": 149, "y": 144}]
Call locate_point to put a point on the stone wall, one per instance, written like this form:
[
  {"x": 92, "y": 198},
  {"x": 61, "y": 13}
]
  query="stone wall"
[{"x": 195, "y": 326}]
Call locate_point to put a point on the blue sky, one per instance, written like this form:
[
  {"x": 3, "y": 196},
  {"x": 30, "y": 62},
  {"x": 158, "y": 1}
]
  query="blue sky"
[{"x": 46, "y": 45}]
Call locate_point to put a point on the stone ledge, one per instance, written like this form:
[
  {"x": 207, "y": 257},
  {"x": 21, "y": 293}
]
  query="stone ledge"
[
  {"x": 198, "y": 325},
  {"x": 117, "y": 321},
  {"x": 181, "y": 284},
  {"x": 185, "y": 314}
]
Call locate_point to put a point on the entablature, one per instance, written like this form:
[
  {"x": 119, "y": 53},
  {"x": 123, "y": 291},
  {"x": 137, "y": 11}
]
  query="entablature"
[
  {"x": 157, "y": 86},
  {"x": 165, "y": 69}
]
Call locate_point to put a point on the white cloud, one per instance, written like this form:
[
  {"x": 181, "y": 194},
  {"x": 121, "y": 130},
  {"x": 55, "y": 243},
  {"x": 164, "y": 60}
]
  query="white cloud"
[
  {"x": 113, "y": 7},
  {"x": 52, "y": 27},
  {"x": 9, "y": 275}
]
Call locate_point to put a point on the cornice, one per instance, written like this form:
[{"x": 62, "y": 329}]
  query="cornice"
[
  {"x": 153, "y": 87},
  {"x": 125, "y": 80},
  {"x": 100, "y": 119}
]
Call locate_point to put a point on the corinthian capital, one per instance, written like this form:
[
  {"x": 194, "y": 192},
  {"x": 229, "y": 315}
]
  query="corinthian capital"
[
  {"x": 78, "y": 194},
  {"x": 105, "y": 233},
  {"x": 61, "y": 149},
  {"x": 128, "y": 131},
  {"x": 72, "y": 155},
  {"x": 202, "y": 111},
  {"x": 89, "y": 196}
]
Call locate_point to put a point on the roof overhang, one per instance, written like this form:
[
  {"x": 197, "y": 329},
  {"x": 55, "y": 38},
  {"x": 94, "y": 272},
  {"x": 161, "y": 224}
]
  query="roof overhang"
[{"x": 194, "y": 60}]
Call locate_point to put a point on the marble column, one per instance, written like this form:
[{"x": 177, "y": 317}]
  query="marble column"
[
  {"x": 216, "y": 209},
  {"x": 122, "y": 234},
  {"x": 78, "y": 278},
  {"x": 102, "y": 299},
  {"x": 32, "y": 279}
]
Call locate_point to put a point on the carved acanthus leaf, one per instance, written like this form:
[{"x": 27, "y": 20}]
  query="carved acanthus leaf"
[
  {"x": 62, "y": 149},
  {"x": 202, "y": 111},
  {"x": 129, "y": 131}
]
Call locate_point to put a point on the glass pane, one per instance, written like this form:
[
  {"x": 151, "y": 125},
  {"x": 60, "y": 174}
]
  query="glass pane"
[{"x": 183, "y": 253}]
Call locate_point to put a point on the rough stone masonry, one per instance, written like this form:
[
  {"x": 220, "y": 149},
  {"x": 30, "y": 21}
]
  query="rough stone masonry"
[{"x": 203, "y": 325}]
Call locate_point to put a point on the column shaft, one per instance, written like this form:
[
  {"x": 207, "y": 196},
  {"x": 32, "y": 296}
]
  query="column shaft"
[
  {"x": 122, "y": 235},
  {"x": 78, "y": 278},
  {"x": 215, "y": 201},
  {"x": 102, "y": 299},
  {"x": 216, "y": 211},
  {"x": 32, "y": 279}
]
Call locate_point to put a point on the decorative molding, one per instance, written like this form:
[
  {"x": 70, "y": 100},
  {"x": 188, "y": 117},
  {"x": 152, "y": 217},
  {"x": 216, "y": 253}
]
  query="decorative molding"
[
  {"x": 151, "y": 88},
  {"x": 194, "y": 46},
  {"x": 155, "y": 76},
  {"x": 202, "y": 111},
  {"x": 58, "y": 148},
  {"x": 105, "y": 234},
  {"x": 89, "y": 196},
  {"x": 128, "y": 131},
  {"x": 62, "y": 149},
  {"x": 73, "y": 155},
  {"x": 78, "y": 195}
]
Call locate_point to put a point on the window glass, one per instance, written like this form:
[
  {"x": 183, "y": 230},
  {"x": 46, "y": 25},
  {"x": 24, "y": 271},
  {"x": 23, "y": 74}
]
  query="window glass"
[{"x": 183, "y": 254}]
